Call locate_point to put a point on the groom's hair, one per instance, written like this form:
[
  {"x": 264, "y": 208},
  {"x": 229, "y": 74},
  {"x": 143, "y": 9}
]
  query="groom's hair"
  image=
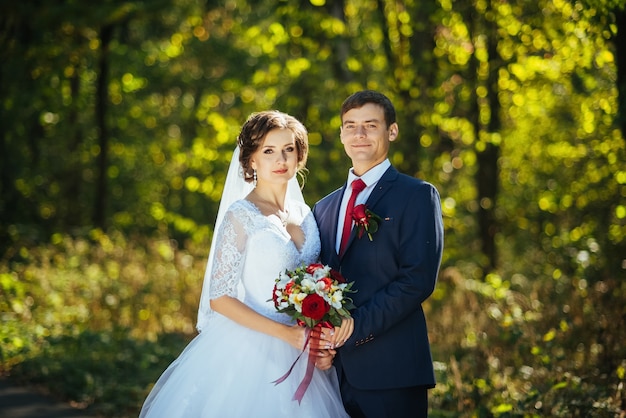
[{"x": 361, "y": 98}]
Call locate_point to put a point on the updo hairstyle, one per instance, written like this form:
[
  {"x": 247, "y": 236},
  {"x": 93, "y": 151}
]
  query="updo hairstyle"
[{"x": 255, "y": 129}]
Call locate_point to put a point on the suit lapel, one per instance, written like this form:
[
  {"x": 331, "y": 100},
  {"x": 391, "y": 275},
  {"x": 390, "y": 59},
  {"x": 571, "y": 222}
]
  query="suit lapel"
[
  {"x": 382, "y": 187},
  {"x": 333, "y": 208}
]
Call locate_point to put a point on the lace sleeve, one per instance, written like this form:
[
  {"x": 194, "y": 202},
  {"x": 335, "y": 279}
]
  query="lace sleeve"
[{"x": 230, "y": 244}]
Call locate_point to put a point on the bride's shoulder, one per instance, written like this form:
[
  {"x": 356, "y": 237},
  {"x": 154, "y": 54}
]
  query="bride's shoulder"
[
  {"x": 240, "y": 204},
  {"x": 241, "y": 209}
]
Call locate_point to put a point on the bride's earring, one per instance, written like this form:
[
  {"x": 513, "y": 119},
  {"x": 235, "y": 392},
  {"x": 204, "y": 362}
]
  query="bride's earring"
[{"x": 254, "y": 178}]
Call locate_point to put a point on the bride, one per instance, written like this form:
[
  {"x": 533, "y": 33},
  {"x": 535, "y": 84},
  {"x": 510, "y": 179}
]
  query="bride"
[{"x": 263, "y": 227}]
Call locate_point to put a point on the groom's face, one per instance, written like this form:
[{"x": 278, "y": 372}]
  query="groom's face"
[{"x": 365, "y": 136}]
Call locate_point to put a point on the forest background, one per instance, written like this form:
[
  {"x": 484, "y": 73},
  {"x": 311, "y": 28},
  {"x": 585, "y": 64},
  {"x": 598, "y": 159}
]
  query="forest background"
[{"x": 118, "y": 119}]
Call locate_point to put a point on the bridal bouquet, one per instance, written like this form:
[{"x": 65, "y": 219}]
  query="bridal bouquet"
[{"x": 313, "y": 295}]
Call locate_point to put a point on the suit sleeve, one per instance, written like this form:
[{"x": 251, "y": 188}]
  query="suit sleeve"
[{"x": 420, "y": 251}]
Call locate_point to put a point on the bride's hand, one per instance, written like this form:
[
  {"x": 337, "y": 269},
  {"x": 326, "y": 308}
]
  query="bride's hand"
[{"x": 296, "y": 337}]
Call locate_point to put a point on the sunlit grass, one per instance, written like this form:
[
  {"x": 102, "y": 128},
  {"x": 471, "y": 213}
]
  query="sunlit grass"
[{"x": 96, "y": 320}]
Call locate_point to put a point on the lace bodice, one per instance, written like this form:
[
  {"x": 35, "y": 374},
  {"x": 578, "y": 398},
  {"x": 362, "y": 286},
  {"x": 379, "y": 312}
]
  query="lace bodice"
[{"x": 252, "y": 249}]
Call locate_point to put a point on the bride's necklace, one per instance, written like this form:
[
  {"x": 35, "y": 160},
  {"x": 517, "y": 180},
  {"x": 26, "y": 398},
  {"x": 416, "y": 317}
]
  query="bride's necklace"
[{"x": 282, "y": 215}]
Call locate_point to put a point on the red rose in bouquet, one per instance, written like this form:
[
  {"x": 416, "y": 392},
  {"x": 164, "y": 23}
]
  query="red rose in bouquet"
[
  {"x": 315, "y": 307},
  {"x": 337, "y": 277},
  {"x": 312, "y": 267}
]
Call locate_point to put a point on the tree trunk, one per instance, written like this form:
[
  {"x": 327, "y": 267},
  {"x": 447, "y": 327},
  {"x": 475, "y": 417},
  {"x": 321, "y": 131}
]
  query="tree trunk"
[
  {"x": 340, "y": 45},
  {"x": 73, "y": 170},
  {"x": 487, "y": 184},
  {"x": 103, "y": 139},
  {"x": 620, "y": 52},
  {"x": 488, "y": 169},
  {"x": 487, "y": 152}
]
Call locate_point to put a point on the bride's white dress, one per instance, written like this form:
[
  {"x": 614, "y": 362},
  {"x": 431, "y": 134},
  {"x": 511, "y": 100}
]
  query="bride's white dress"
[{"x": 228, "y": 370}]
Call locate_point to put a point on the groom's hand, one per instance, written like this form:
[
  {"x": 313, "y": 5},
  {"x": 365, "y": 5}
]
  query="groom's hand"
[
  {"x": 330, "y": 338},
  {"x": 342, "y": 332},
  {"x": 324, "y": 360}
]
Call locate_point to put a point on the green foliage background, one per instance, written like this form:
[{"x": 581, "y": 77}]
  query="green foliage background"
[{"x": 118, "y": 120}]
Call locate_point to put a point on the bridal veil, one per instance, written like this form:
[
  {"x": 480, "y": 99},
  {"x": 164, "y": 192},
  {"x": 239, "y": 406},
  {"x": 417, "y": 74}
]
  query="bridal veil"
[{"x": 235, "y": 188}]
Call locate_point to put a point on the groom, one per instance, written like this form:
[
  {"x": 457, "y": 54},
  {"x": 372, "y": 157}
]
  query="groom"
[{"x": 385, "y": 367}]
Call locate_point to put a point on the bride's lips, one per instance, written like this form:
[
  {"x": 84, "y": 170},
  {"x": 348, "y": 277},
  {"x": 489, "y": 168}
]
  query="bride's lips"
[{"x": 283, "y": 171}]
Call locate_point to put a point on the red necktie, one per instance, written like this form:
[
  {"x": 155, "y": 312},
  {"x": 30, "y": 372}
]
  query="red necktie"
[{"x": 357, "y": 187}]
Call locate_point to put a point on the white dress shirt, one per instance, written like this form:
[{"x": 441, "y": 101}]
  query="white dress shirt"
[{"x": 370, "y": 179}]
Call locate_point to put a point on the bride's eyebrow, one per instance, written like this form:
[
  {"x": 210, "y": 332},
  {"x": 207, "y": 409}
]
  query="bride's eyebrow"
[{"x": 287, "y": 145}]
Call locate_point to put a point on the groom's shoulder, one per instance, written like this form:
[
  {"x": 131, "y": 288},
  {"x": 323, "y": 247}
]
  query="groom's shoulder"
[
  {"x": 409, "y": 183},
  {"x": 328, "y": 198}
]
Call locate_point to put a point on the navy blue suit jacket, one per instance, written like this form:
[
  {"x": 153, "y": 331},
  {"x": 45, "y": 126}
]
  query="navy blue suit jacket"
[{"x": 393, "y": 275}]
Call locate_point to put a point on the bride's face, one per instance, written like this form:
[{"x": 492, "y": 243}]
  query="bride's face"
[{"x": 276, "y": 160}]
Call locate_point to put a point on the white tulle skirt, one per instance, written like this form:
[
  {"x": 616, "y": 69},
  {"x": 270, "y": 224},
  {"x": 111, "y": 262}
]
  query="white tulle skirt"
[{"x": 227, "y": 372}]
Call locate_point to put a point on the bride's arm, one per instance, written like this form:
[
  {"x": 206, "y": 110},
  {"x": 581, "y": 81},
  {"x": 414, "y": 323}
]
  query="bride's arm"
[
  {"x": 239, "y": 312},
  {"x": 229, "y": 251}
]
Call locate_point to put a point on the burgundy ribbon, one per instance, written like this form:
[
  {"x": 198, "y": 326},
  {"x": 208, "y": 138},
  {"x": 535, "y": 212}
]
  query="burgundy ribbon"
[
  {"x": 307, "y": 334},
  {"x": 310, "y": 367}
]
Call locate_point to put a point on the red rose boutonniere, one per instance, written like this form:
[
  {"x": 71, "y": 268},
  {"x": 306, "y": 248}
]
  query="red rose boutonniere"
[{"x": 365, "y": 221}]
